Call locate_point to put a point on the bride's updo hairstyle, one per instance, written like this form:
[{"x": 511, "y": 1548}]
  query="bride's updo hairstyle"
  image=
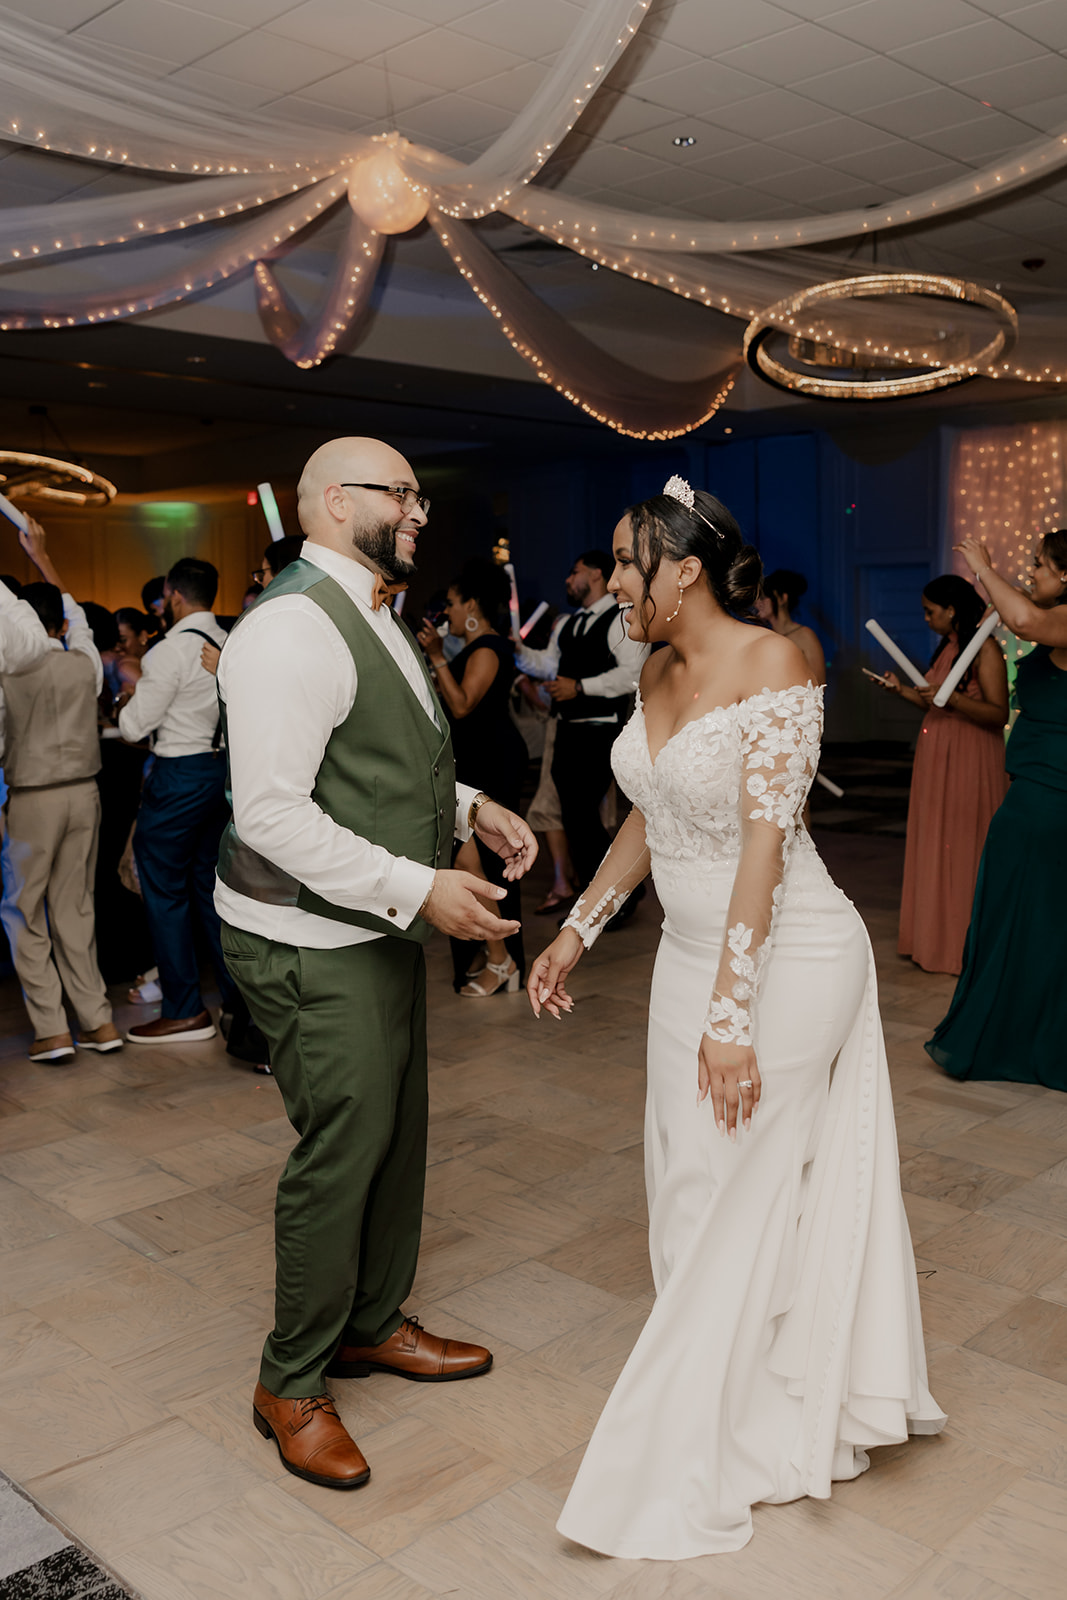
[{"x": 665, "y": 527}]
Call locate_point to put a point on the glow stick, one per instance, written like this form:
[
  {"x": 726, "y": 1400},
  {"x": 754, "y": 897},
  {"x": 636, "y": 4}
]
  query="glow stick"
[
  {"x": 960, "y": 665},
  {"x": 398, "y": 601},
  {"x": 838, "y": 794},
  {"x": 535, "y": 616},
  {"x": 514, "y": 602},
  {"x": 897, "y": 653},
  {"x": 13, "y": 514},
  {"x": 270, "y": 511}
]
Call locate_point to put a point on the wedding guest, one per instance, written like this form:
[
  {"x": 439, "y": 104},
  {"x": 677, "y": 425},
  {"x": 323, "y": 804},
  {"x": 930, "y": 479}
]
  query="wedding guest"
[
  {"x": 276, "y": 557},
  {"x": 957, "y": 780},
  {"x": 780, "y": 597},
  {"x": 592, "y": 668},
  {"x": 1008, "y": 1017},
  {"x": 490, "y": 751},
  {"x": 183, "y": 805},
  {"x": 51, "y": 757},
  {"x": 154, "y": 600}
]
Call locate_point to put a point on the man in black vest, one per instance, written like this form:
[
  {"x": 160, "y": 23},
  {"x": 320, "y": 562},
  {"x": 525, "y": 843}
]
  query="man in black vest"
[{"x": 593, "y": 667}]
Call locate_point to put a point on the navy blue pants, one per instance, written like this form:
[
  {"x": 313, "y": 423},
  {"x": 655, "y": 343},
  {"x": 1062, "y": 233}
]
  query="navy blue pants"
[{"x": 176, "y": 846}]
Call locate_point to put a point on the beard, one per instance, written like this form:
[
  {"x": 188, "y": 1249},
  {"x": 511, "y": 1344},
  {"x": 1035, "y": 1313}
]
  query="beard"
[{"x": 377, "y": 541}]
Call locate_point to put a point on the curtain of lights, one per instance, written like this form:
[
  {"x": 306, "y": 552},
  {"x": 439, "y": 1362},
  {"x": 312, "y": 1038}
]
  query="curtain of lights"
[{"x": 1008, "y": 487}]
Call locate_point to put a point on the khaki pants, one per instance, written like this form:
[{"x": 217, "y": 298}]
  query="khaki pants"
[{"x": 49, "y": 863}]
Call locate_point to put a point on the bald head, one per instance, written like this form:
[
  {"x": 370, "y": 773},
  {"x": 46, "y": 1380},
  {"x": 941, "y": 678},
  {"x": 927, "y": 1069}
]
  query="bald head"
[{"x": 366, "y": 524}]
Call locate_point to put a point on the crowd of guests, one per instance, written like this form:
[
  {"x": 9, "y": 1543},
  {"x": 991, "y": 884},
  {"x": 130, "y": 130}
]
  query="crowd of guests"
[{"x": 115, "y": 770}]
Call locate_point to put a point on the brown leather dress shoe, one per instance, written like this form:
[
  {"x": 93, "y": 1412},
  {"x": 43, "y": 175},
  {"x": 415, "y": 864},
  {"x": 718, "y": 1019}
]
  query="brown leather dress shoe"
[
  {"x": 57, "y": 1047},
  {"x": 413, "y": 1353},
  {"x": 173, "y": 1030},
  {"x": 311, "y": 1438}
]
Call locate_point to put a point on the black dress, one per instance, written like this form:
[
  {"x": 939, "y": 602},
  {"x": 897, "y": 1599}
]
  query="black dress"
[{"x": 490, "y": 755}]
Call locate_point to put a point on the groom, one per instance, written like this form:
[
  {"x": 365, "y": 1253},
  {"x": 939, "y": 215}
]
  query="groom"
[{"x": 330, "y": 879}]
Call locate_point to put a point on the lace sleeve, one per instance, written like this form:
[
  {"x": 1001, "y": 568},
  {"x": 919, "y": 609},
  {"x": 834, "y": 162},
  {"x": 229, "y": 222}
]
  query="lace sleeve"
[
  {"x": 779, "y": 755},
  {"x": 622, "y": 869}
]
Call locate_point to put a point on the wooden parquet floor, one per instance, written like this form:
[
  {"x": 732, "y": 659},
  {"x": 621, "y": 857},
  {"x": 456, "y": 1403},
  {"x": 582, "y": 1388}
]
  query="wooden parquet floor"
[{"x": 135, "y": 1290}]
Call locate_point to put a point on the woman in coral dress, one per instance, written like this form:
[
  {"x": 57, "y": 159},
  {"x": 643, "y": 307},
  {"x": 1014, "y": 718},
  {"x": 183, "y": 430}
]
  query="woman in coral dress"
[{"x": 957, "y": 782}]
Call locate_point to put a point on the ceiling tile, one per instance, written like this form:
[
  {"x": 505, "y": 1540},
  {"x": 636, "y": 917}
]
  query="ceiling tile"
[
  {"x": 602, "y": 164},
  {"x": 1048, "y": 115},
  {"x": 712, "y": 30},
  {"x": 701, "y": 89},
  {"x": 511, "y": 90},
  {"x": 160, "y": 29},
  {"x": 276, "y": 63},
  {"x": 984, "y": 139},
  {"x": 249, "y": 13},
  {"x": 752, "y": 163},
  {"x": 1015, "y": 87},
  {"x": 1046, "y": 22},
  {"x": 967, "y": 51},
  {"x": 799, "y": 52},
  {"x": 439, "y": 12},
  {"x": 919, "y": 114},
  {"x": 829, "y": 139},
  {"x": 865, "y": 83},
  {"x": 815, "y": 10},
  {"x": 530, "y": 30},
  {"x": 892, "y": 164},
  {"x": 818, "y": 186},
  {"x": 649, "y": 56},
  {"x": 63, "y": 14},
  {"x": 368, "y": 92},
  {"x": 771, "y": 114},
  {"x": 313, "y": 112},
  {"x": 453, "y": 119},
  {"x": 619, "y": 116},
  {"x": 929, "y": 177},
  {"x": 447, "y": 60},
  {"x": 140, "y": 61},
  {"x": 244, "y": 96},
  {"x": 891, "y": 27},
  {"x": 670, "y": 188},
  {"x": 356, "y": 31},
  {"x": 18, "y": 194}
]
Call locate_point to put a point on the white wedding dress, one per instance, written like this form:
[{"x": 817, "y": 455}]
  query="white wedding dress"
[{"x": 785, "y": 1337}]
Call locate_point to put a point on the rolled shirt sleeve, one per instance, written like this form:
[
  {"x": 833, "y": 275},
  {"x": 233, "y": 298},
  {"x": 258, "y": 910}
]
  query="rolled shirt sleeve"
[
  {"x": 160, "y": 681},
  {"x": 23, "y": 640},
  {"x": 79, "y": 637}
]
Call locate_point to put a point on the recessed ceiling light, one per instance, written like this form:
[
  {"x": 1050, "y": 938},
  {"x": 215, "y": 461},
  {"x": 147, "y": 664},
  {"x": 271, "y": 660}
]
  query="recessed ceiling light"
[
  {"x": 683, "y": 140},
  {"x": 594, "y": 266},
  {"x": 196, "y": 361},
  {"x": 727, "y": 430}
]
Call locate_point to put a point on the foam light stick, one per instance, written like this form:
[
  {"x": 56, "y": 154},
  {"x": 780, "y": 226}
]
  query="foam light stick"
[
  {"x": 513, "y": 604},
  {"x": 897, "y": 653},
  {"x": 13, "y": 514},
  {"x": 270, "y": 511},
  {"x": 963, "y": 661},
  {"x": 831, "y": 788},
  {"x": 533, "y": 619}
]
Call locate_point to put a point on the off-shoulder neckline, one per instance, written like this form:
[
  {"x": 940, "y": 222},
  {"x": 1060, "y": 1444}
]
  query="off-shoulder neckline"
[{"x": 815, "y": 689}]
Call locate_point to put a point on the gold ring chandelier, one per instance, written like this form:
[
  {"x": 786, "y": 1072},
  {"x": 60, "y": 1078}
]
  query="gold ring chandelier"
[
  {"x": 788, "y": 315},
  {"x": 27, "y": 476}
]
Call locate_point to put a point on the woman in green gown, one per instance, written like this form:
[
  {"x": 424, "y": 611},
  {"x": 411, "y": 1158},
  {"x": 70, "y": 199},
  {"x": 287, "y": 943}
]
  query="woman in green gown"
[{"x": 1008, "y": 1017}]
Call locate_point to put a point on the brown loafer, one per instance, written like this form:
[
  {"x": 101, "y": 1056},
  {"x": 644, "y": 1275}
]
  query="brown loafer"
[
  {"x": 173, "y": 1030},
  {"x": 311, "y": 1438},
  {"x": 57, "y": 1047},
  {"x": 413, "y": 1353},
  {"x": 105, "y": 1039}
]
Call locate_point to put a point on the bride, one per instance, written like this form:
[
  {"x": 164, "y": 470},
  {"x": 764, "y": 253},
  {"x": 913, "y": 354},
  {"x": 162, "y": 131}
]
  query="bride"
[{"x": 785, "y": 1337}]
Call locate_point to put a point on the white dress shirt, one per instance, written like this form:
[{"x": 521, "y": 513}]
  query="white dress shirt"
[
  {"x": 23, "y": 640},
  {"x": 630, "y": 657},
  {"x": 175, "y": 698},
  {"x": 288, "y": 680},
  {"x": 79, "y": 636}
]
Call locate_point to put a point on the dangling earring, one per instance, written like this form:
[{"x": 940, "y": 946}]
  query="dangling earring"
[{"x": 678, "y": 607}]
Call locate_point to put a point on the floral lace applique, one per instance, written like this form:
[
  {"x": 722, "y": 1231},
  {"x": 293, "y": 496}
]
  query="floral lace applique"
[{"x": 589, "y": 927}]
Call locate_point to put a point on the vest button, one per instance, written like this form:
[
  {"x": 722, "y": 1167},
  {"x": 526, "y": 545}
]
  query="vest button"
[
  {"x": 437, "y": 772},
  {"x": 391, "y": 911},
  {"x": 441, "y": 812}
]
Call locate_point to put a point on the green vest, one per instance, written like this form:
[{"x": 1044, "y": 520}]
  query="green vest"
[{"x": 387, "y": 773}]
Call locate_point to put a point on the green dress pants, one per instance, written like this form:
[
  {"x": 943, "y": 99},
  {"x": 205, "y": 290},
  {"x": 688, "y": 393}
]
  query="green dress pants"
[{"x": 347, "y": 1034}]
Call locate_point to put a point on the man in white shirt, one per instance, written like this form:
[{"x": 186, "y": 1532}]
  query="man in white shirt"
[
  {"x": 183, "y": 805},
  {"x": 334, "y": 870},
  {"x": 592, "y": 666},
  {"x": 51, "y": 756}
]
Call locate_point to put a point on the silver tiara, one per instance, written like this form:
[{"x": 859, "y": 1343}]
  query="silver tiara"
[{"x": 678, "y": 489}]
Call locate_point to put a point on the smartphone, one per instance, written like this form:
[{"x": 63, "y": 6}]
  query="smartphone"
[
  {"x": 875, "y": 677},
  {"x": 13, "y": 514}
]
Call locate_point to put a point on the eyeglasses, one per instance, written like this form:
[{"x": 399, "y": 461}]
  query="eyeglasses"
[
  {"x": 407, "y": 498},
  {"x": 258, "y": 576}
]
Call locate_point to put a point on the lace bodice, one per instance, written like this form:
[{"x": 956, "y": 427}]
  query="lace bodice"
[{"x": 730, "y": 785}]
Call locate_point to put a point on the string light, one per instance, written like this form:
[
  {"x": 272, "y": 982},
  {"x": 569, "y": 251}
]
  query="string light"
[{"x": 785, "y": 313}]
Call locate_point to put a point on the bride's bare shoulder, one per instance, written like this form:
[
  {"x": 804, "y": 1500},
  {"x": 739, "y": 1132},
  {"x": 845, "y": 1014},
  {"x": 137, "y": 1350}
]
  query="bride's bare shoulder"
[{"x": 768, "y": 660}]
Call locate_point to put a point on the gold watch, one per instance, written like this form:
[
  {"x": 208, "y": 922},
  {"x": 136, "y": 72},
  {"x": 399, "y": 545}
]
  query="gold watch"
[{"x": 480, "y": 800}]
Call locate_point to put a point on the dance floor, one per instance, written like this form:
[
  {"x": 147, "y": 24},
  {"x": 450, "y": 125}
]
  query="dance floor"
[{"x": 135, "y": 1290}]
